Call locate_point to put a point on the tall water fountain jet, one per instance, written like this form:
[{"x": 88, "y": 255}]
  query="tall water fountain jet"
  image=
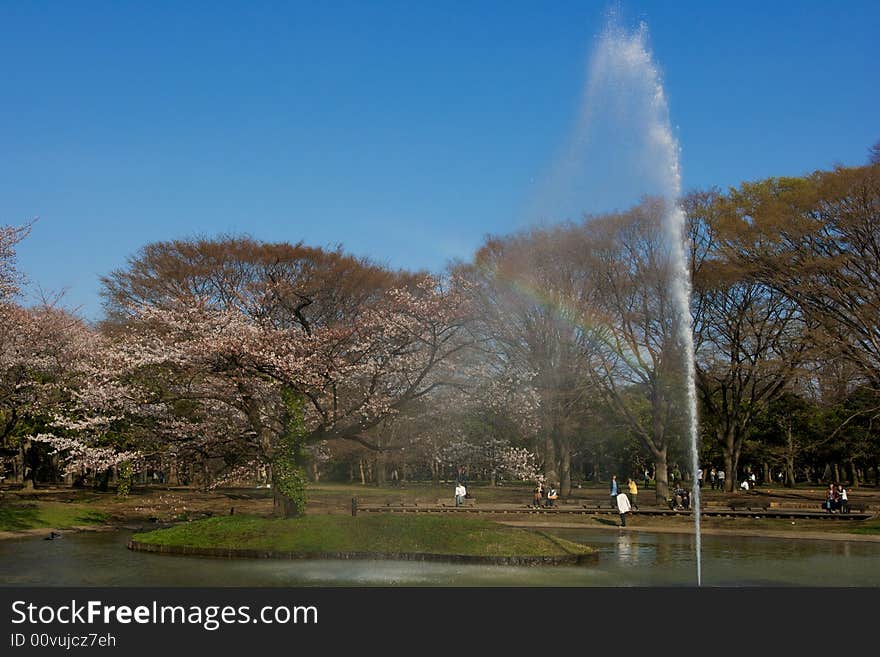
[
  {"x": 626, "y": 59},
  {"x": 624, "y": 89}
]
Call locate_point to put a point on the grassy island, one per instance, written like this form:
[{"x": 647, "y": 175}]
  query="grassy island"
[{"x": 377, "y": 536}]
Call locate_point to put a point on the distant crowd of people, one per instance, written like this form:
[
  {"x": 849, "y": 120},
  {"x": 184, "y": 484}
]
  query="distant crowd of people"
[
  {"x": 717, "y": 479},
  {"x": 624, "y": 498}
]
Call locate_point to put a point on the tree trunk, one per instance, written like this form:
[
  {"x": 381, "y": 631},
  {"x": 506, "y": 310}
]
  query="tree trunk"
[
  {"x": 380, "y": 470},
  {"x": 727, "y": 461},
  {"x": 18, "y": 467},
  {"x": 767, "y": 478},
  {"x": 854, "y": 474},
  {"x": 102, "y": 481},
  {"x": 565, "y": 482},
  {"x": 661, "y": 478},
  {"x": 725, "y": 437},
  {"x": 789, "y": 457},
  {"x": 731, "y": 439},
  {"x": 282, "y": 505},
  {"x": 836, "y": 472},
  {"x": 550, "y": 473},
  {"x": 363, "y": 475},
  {"x": 729, "y": 470},
  {"x": 206, "y": 475},
  {"x": 29, "y": 470}
]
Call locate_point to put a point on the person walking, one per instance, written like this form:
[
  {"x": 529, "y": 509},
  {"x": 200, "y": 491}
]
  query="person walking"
[
  {"x": 713, "y": 477},
  {"x": 721, "y": 478},
  {"x": 623, "y": 508},
  {"x": 633, "y": 494},
  {"x": 615, "y": 490}
]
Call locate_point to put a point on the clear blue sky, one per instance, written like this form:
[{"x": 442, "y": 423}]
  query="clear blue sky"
[{"x": 404, "y": 130}]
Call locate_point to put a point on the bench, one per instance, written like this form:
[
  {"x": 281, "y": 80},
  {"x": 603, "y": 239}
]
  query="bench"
[
  {"x": 468, "y": 501},
  {"x": 599, "y": 505},
  {"x": 531, "y": 505},
  {"x": 401, "y": 503},
  {"x": 850, "y": 509},
  {"x": 749, "y": 505}
]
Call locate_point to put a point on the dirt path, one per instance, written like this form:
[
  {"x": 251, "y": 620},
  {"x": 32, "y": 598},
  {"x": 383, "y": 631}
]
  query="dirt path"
[{"x": 706, "y": 531}]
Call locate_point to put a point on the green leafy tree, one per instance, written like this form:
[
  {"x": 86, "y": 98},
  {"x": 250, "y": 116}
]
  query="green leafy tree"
[{"x": 288, "y": 472}]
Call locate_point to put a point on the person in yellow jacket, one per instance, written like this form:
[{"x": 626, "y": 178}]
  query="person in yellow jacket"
[{"x": 633, "y": 493}]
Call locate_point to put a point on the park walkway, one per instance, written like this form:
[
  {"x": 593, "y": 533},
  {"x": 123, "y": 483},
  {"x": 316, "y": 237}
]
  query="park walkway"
[{"x": 738, "y": 509}]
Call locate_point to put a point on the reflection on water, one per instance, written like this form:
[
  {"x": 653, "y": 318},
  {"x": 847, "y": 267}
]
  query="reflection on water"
[
  {"x": 627, "y": 548},
  {"x": 626, "y": 559}
]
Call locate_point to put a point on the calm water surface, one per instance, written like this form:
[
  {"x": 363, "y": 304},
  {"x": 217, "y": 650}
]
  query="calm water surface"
[{"x": 626, "y": 559}]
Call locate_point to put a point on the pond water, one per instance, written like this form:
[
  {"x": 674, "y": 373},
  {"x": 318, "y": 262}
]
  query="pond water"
[{"x": 626, "y": 559}]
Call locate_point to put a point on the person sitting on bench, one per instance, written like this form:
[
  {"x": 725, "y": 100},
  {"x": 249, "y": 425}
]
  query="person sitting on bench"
[
  {"x": 681, "y": 499},
  {"x": 552, "y": 496},
  {"x": 842, "y": 499},
  {"x": 539, "y": 494},
  {"x": 460, "y": 492},
  {"x": 831, "y": 499}
]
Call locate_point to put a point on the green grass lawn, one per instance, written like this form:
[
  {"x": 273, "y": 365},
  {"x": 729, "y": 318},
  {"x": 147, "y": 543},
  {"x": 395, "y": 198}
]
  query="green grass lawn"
[
  {"x": 381, "y": 533},
  {"x": 341, "y": 494},
  {"x": 55, "y": 515},
  {"x": 871, "y": 526}
]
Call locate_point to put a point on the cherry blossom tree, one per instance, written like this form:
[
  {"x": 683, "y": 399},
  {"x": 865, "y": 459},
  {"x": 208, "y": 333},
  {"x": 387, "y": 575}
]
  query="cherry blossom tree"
[
  {"x": 497, "y": 458},
  {"x": 42, "y": 354},
  {"x": 10, "y": 277},
  {"x": 272, "y": 342}
]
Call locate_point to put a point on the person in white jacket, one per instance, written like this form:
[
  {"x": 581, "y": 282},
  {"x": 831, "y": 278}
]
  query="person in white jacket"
[
  {"x": 623, "y": 507},
  {"x": 460, "y": 492},
  {"x": 844, "y": 500}
]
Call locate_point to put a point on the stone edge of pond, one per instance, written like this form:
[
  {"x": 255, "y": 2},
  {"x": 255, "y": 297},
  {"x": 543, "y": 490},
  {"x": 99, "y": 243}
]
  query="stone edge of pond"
[{"x": 244, "y": 553}]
